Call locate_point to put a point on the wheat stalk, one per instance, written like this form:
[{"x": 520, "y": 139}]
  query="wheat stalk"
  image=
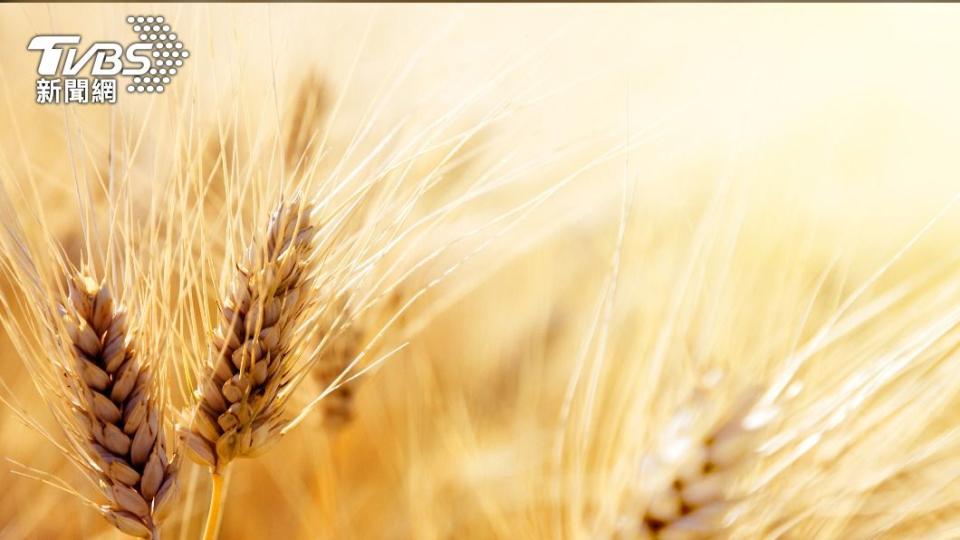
[
  {"x": 304, "y": 121},
  {"x": 242, "y": 391},
  {"x": 118, "y": 418},
  {"x": 684, "y": 487},
  {"x": 337, "y": 348},
  {"x": 251, "y": 371}
]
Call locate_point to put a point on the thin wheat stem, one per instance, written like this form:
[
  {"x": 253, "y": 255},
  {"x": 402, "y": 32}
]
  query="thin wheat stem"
[{"x": 214, "y": 514}]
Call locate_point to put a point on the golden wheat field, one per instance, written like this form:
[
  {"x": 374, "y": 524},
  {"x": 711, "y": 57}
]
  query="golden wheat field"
[{"x": 482, "y": 271}]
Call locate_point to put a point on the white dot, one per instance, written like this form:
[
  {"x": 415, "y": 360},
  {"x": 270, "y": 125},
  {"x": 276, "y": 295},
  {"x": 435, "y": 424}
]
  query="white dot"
[
  {"x": 143, "y": 37},
  {"x": 130, "y": 88},
  {"x": 136, "y": 79},
  {"x": 179, "y": 62},
  {"x": 185, "y": 54},
  {"x": 140, "y": 89},
  {"x": 149, "y": 89},
  {"x": 166, "y": 80},
  {"x": 153, "y": 70},
  {"x": 149, "y": 19},
  {"x": 159, "y": 89},
  {"x": 179, "y": 45},
  {"x": 139, "y": 19},
  {"x": 153, "y": 37},
  {"x": 156, "y": 54},
  {"x": 136, "y": 28},
  {"x": 130, "y": 19},
  {"x": 160, "y": 18},
  {"x": 163, "y": 37},
  {"x": 169, "y": 46},
  {"x": 158, "y": 45},
  {"x": 166, "y": 27},
  {"x": 163, "y": 71},
  {"x": 174, "y": 54},
  {"x": 173, "y": 36},
  {"x": 173, "y": 71},
  {"x": 165, "y": 54}
]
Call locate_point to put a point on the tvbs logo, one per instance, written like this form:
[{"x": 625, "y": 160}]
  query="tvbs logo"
[
  {"x": 107, "y": 57},
  {"x": 149, "y": 63}
]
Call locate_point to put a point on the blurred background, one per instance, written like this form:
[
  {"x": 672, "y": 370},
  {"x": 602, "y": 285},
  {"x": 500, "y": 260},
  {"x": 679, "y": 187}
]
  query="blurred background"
[{"x": 763, "y": 160}]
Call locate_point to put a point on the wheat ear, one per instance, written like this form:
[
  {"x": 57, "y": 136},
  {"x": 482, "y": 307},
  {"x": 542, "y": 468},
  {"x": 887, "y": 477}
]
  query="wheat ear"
[
  {"x": 243, "y": 389},
  {"x": 687, "y": 481},
  {"x": 337, "y": 348},
  {"x": 117, "y": 414}
]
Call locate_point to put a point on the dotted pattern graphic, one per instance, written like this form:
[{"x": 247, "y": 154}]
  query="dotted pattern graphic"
[{"x": 167, "y": 53}]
